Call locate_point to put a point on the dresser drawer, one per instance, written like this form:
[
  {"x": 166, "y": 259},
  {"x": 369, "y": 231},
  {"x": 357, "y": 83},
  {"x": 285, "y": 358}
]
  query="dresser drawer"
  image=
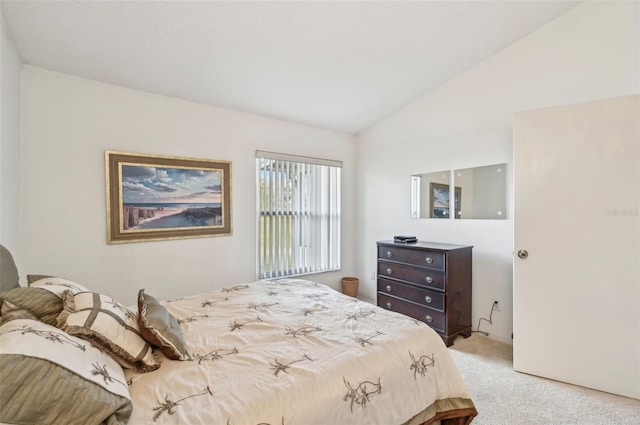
[
  {"x": 417, "y": 295},
  {"x": 433, "y": 318},
  {"x": 419, "y": 276},
  {"x": 421, "y": 258}
]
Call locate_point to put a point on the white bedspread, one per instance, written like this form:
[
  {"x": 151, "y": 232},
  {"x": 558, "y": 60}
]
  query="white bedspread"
[{"x": 294, "y": 352}]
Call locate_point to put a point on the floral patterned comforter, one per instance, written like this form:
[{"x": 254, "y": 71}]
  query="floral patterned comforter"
[{"x": 298, "y": 352}]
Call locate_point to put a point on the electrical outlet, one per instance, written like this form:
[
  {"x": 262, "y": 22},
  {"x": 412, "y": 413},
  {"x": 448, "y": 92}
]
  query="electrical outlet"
[
  {"x": 496, "y": 305},
  {"x": 373, "y": 275}
]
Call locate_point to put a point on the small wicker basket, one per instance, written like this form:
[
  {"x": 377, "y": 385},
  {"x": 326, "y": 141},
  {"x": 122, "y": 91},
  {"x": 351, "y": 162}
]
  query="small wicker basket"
[{"x": 350, "y": 286}]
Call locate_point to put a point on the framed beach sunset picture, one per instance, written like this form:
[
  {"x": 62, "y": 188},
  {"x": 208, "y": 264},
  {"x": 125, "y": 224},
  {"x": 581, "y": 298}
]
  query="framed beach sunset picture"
[
  {"x": 439, "y": 200},
  {"x": 151, "y": 197}
]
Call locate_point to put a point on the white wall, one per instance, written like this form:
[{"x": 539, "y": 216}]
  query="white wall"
[
  {"x": 9, "y": 140},
  {"x": 590, "y": 52},
  {"x": 68, "y": 123}
]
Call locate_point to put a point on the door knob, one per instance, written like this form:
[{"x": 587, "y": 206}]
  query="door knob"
[{"x": 523, "y": 254}]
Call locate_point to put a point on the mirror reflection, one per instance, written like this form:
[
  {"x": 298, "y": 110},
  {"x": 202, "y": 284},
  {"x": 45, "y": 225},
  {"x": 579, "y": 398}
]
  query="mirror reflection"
[
  {"x": 478, "y": 193},
  {"x": 430, "y": 195},
  {"x": 484, "y": 190}
]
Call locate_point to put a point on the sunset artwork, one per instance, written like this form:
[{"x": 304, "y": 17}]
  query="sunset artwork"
[
  {"x": 166, "y": 198},
  {"x": 160, "y": 198},
  {"x": 439, "y": 200}
]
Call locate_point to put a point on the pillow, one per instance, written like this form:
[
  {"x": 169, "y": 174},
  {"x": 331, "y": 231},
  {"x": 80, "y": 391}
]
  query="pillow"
[
  {"x": 10, "y": 312},
  {"x": 35, "y": 277},
  {"x": 57, "y": 285},
  {"x": 38, "y": 300},
  {"x": 30, "y": 302},
  {"x": 109, "y": 326},
  {"x": 159, "y": 327},
  {"x": 50, "y": 377}
]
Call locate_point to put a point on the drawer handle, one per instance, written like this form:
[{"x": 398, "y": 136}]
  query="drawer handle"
[
  {"x": 428, "y": 260},
  {"x": 389, "y": 305},
  {"x": 428, "y": 279},
  {"x": 389, "y": 271},
  {"x": 389, "y": 254},
  {"x": 428, "y": 318},
  {"x": 388, "y": 288},
  {"x": 427, "y": 299}
]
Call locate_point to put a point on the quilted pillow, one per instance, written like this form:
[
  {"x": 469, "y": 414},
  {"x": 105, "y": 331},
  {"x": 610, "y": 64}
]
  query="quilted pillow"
[
  {"x": 159, "y": 327},
  {"x": 38, "y": 303},
  {"x": 109, "y": 326},
  {"x": 50, "y": 377}
]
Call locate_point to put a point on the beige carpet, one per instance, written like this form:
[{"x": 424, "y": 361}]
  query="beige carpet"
[{"x": 505, "y": 397}]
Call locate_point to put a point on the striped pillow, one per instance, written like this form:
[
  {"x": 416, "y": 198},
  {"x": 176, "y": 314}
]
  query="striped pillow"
[
  {"x": 22, "y": 302},
  {"x": 109, "y": 326},
  {"x": 41, "y": 300},
  {"x": 50, "y": 377}
]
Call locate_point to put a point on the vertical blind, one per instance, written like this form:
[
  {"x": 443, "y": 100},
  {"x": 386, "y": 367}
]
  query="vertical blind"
[{"x": 298, "y": 202}]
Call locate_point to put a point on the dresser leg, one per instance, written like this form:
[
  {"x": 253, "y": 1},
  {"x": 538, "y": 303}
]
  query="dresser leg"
[{"x": 448, "y": 339}]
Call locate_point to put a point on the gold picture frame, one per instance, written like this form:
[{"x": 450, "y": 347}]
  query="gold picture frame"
[{"x": 153, "y": 197}]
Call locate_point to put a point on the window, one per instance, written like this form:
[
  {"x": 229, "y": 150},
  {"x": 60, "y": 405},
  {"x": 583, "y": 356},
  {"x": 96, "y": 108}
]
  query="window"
[{"x": 298, "y": 215}]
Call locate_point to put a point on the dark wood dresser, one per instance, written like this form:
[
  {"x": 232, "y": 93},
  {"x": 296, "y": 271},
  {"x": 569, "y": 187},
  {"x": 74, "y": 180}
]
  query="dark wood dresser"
[{"x": 428, "y": 281}]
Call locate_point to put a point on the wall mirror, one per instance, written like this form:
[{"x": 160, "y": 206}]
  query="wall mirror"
[
  {"x": 478, "y": 193},
  {"x": 430, "y": 195},
  {"x": 484, "y": 192}
]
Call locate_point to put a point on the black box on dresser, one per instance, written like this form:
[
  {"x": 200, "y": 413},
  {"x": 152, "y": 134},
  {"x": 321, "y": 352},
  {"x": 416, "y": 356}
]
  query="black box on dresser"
[{"x": 428, "y": 281}]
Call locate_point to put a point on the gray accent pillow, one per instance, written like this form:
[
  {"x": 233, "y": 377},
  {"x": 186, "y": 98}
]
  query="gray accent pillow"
[
  {"x": 9, "y": 278},
  {"x": 159, "y": 327}
]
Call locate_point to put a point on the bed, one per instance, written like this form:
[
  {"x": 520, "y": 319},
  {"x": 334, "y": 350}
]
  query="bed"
[{"x": 283, "y": 352}]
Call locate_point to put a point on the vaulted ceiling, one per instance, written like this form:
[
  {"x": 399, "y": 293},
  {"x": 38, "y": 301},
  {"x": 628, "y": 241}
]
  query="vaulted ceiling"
[{"x": 340, "y": 65}]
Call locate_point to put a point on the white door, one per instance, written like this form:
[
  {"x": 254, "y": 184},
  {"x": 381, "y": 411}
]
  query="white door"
[{"x": 576, "y": 306}]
